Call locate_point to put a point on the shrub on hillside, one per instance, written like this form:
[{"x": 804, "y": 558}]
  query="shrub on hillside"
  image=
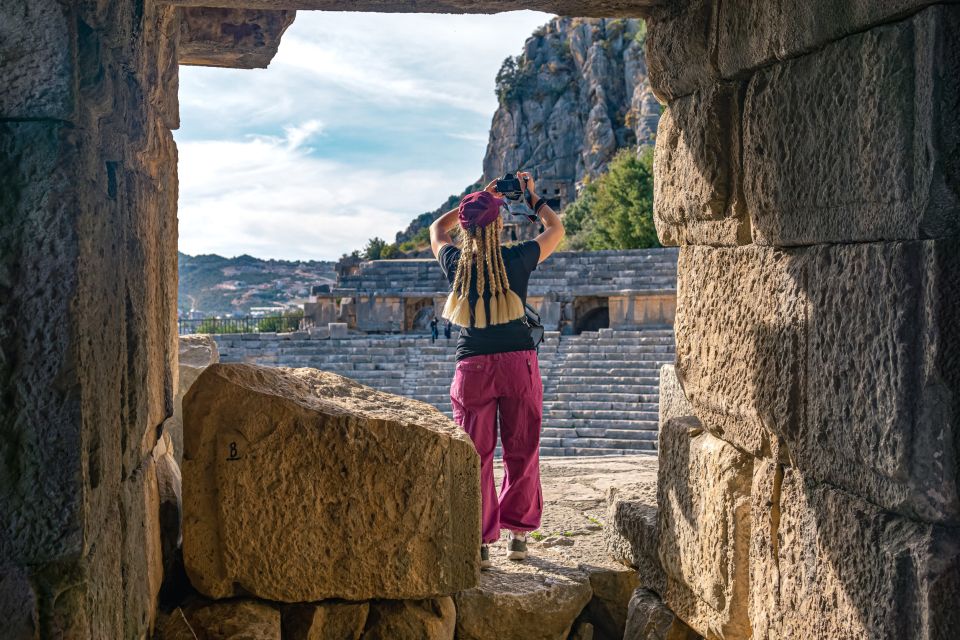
[{"x": 615, "y": 211}]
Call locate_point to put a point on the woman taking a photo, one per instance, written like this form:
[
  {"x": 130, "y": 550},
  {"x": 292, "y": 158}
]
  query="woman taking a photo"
[{"x": 497, "y": 380}]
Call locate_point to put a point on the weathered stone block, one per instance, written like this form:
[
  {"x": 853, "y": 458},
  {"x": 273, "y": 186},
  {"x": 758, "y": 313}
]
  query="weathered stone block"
[
  {"x": 236, "y": 38},
  {"x": 672, "y": 401},
  {"x": 235, "y": 620},
  {"x": 698, "y": 195},
  {"x": 286, "y": 471},
  {"x": 846, "y": 569},
  {"x": 648, "y": 618},
  {"x": 750, "y": 35},
  {"x": 612, "y": 589},
  {"x": 844, "y": 352},
  {"x": 501, "y": 606},
  {"x": 856, "y": 142},
  {"x": 882, "y": 399},
  {"x": 703, "y": 494},
  {"x": 142, "y": 558},
  {"x": 433, "y": 619},
  {"x": 18, "y": 604},
  {"x": 338, "y": 330},
  {"x": 331, "y": 620},
  {"x": 739, "y": 341},
  {"x": 678, "y": 48},
  {"x": 37, "y": 60},
  {"x": 631, "y": 537},
  {"x": 196, "y": 353}
]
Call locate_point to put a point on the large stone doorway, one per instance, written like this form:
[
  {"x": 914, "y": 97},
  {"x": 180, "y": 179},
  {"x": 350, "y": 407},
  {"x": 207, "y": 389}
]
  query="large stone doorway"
[{"x": 805, "y": 266}]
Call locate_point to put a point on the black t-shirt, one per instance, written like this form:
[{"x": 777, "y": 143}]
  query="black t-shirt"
[{"x": 520, "y": 260}]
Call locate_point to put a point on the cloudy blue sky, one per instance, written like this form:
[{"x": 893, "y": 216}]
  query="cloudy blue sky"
[{"x": 361, "y": 122}]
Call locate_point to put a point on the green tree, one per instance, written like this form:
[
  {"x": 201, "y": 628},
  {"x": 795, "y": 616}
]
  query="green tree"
[
  {"x": 615, "y": 211},
  {"x": 374, "y": 248}
]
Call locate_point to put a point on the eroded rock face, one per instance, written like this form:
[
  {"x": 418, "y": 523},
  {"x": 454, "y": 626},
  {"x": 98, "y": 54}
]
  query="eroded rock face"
[
  {"x": 704, "y": 511},
  {"x": 301, "y": 485}
]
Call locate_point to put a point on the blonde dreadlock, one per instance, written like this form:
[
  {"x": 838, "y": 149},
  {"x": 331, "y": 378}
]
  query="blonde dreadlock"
[{"x": 481, "y": 263}]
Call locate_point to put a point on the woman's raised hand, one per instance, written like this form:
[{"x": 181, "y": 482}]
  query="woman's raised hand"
[
  {"x": 526, "y": 182},
  {"x": 492, "y": 187}
]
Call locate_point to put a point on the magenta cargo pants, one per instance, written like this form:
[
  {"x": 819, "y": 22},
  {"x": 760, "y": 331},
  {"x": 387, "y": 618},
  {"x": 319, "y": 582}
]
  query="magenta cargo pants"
[{"x": 505, "y": 386}]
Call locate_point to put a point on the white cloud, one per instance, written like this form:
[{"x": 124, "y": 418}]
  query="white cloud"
[
  {"x": 362, "y": 122},
  {"x": 268, "y": 197}
]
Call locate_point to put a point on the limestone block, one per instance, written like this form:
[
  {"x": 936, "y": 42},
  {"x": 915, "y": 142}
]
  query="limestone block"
[
  {"x": 883, "y": 388},
  {"x": 236, "y": 38},
  {"x": 750, "y": 35},
  {"x": 698, "y": 194},
  {"x": 703, "y": 494},
  {"x": 18, "y": 604},
  {"x": 433, "y": 619},
  {"x": 169, "y": 485},
  {"x": 196, "y": 353},
  {"x": 739, "y": 341},
  {"x": 37, "y": 60},
  {"x": 631, "y": 537},
  {"x": 235, "y": 620},
  {"x": 678, "y": 48},
  {"x": 849, "y": 570},
  {"x": 854, "y": 142},
  {"x": 320, "y": 333},
  {"x": 41, "y": 491},
  {"x": 843, "y": 351},
  {"x": 672, "y": 401},
  {"x": 649, "y": 619},
  {"x": 142, "y": 557},
  {"x": 522, "y": 604},
  {"x": 174, "y": 626},
  {"x": 612, "y": 589},
  {"x": 331, "y": 620},
  {"x": 287, "y": 471},
  {"x": 338, "y": 330}
]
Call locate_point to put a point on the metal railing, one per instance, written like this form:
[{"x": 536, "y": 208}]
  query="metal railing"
[{"x": 244, "y": 324}]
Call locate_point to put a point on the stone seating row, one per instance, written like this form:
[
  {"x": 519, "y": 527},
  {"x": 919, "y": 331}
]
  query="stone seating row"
[{"x": 600, "y": 388}]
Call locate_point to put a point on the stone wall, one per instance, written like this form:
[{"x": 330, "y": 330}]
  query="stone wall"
[
  {"x": 806, "y": 164},
  {"x": 88, "y": 286}
]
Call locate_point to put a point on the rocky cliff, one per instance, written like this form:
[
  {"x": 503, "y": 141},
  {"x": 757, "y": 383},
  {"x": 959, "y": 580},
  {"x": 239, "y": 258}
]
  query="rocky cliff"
[{"x": 576, "y": 94}]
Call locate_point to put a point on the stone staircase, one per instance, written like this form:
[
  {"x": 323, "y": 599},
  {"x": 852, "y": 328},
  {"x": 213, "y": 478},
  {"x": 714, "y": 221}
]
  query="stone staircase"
[{"x": 600, "y": 388}]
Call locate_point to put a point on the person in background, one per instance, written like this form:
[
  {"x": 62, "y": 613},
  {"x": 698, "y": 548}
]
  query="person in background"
[
  {"x": 497, "y": 379},
  {"x": 447, "y": 330},
  {"x": 433, "y": 330}
]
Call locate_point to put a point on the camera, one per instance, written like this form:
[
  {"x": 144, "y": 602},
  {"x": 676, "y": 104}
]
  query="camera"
[{"x": 509, "y": 187}]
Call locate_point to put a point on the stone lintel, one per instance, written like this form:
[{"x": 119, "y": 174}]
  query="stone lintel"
[
  {"x": 582, "y": 8},
  {"x": 235, "y": 38}
]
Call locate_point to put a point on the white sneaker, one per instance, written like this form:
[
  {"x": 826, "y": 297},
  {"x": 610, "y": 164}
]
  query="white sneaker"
[
  {"x": 485, "y": 562},
  {"x": 516, "y": 545}
]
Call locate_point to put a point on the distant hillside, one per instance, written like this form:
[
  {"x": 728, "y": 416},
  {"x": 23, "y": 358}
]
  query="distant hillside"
[
  {"x": 214, "y": 285},
  {"x": 575, "y": 96}
]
